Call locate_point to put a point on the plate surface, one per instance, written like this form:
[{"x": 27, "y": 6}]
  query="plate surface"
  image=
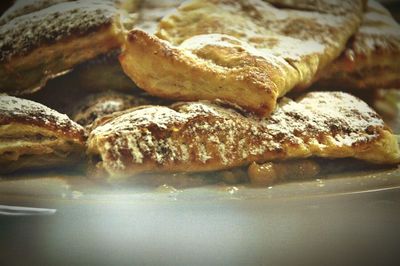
[{"x": 348, "y": 220}]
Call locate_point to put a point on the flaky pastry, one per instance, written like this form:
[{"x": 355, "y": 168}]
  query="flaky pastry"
[
  {"x": 35, "y": 136},
  {"x": 44, "y": 43},
  {"x": 245, "y": 52},
  {"x": 96, "y": 106},
  {"x": 202, "y": 136},
  {"x": 372, "y": 57}
]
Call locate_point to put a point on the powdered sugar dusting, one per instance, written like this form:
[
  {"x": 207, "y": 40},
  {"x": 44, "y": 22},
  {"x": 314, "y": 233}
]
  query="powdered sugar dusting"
[
  {"x": 16, "y": 110},
  {"x": 201, "y": 134},
  {"x": 295, "y": 32},
  {"x": 22, "y": 34}
]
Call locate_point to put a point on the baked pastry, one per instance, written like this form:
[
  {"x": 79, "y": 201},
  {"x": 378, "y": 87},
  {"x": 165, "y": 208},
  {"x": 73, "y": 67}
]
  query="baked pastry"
[
  {"x": 34, "y": 136},
  {"x": 104, "y": 72},
  {"x": 226, "y": 49},
  {"x": 48, "y": 42},
  {"x": 204, "y": 136},
  {"x": 99, "y": 105},
  {"x": 23, "y": 7},
  {"x": 372, "y": 57}
]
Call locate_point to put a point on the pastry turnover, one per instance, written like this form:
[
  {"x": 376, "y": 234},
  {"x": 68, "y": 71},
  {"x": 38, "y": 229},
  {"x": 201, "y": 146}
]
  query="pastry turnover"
[
  {"x": 245, "y": 52},
  {"x": 47, "y": 42},
  {"x": 372, "y": 57},
  {"x": 202, "y": 136},
  {"x": 34, "y": 136}
]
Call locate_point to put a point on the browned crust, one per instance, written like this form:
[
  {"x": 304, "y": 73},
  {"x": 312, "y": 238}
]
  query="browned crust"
[
  {"x": 372, "y": 57},
  {"x": 255, "y": 50},
  {"x": 164, "y": 71},
  {"x": 20, "y": 111},
  {"x": 95, "y": 106},
  {"x": 43, "y": 44},
  {"x": 23, "y": 7},
  {"x": 53, "y": 24},
  {"x": 201, "y": 136}
]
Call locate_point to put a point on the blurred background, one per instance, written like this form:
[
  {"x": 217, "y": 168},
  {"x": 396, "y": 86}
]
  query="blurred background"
[{"x": 393, "y": 5}]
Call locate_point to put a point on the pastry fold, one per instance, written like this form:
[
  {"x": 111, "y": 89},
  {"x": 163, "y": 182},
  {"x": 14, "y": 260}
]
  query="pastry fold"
[
  {"x": 249, "y": 53},
  {"x": 372, "y": 57},
  {"x": 35, "y": 136},
  {"x": 48, "y": 42},
  {"x": 204, "y": 136}
]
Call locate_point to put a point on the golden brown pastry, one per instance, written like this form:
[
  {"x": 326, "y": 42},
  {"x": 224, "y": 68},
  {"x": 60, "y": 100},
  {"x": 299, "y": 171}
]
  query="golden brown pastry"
[
  {"x": 99, "y": 105},
  {"x": 34, "y": 136},
  {"x": 245, "y": 52},
  {"x": 104, "y": 72},
  {"x": 372, "y": 57},
  {"x": 48, "y": 42},
  {"x": 202, "y": 136}
]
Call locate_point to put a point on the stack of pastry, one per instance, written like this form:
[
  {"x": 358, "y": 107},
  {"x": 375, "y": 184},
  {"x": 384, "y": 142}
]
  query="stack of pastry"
[{"x": 195, "y": 87}]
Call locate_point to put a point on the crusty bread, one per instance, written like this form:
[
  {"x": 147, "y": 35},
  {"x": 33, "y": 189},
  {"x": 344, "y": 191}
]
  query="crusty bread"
[
  {"x": 246, "y": 52},
  {"x": 204, "y": 136},
  {"x": 34, "y": 136},
  {"x": 372, "y": 57}
]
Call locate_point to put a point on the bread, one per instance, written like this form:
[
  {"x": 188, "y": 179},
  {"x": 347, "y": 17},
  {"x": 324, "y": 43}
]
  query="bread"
[
  {"x": 47, "y": 42},
  {"x": 372, "y": 57},
  {"x": 224, "y": 49},
  {"x": 34, "y": 136},
  {"x": 204, "y": 136}
]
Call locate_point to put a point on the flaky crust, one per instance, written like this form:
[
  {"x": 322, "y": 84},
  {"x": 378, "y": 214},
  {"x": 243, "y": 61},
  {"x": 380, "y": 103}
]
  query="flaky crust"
[
  {"x": 23, "y": 7},
  {"x": 202, "y": 136},
  {"x": 96, "y": 106},
  {"x": 34, "y": 136},
  {"x": 224, "y": 49},
  {"x": 372, "y": 57},
  {"x": 45, "y": 43},
  {"x": 21, "y": 111}
]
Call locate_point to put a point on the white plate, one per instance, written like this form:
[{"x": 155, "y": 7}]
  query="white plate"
[{"x": 350, "y": 220}]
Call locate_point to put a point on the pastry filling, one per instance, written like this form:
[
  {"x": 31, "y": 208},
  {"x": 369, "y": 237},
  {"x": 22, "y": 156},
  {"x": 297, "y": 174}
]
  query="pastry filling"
[{"x": 36, "y": 151}]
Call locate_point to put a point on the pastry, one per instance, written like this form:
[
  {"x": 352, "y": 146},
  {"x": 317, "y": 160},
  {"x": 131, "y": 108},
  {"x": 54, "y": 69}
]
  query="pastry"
[
  {"x": 372, "y": 57},
  {"x": 104, "y": 72},
  {"x": 34, "y": 136},
  {"x": 48, "y": 42},
  {"x": 218, "y": 49},
  {"x": 23, "y": 7},
  {"x": 99, "y": 105},
  {"x": 204, "y": 136}
]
